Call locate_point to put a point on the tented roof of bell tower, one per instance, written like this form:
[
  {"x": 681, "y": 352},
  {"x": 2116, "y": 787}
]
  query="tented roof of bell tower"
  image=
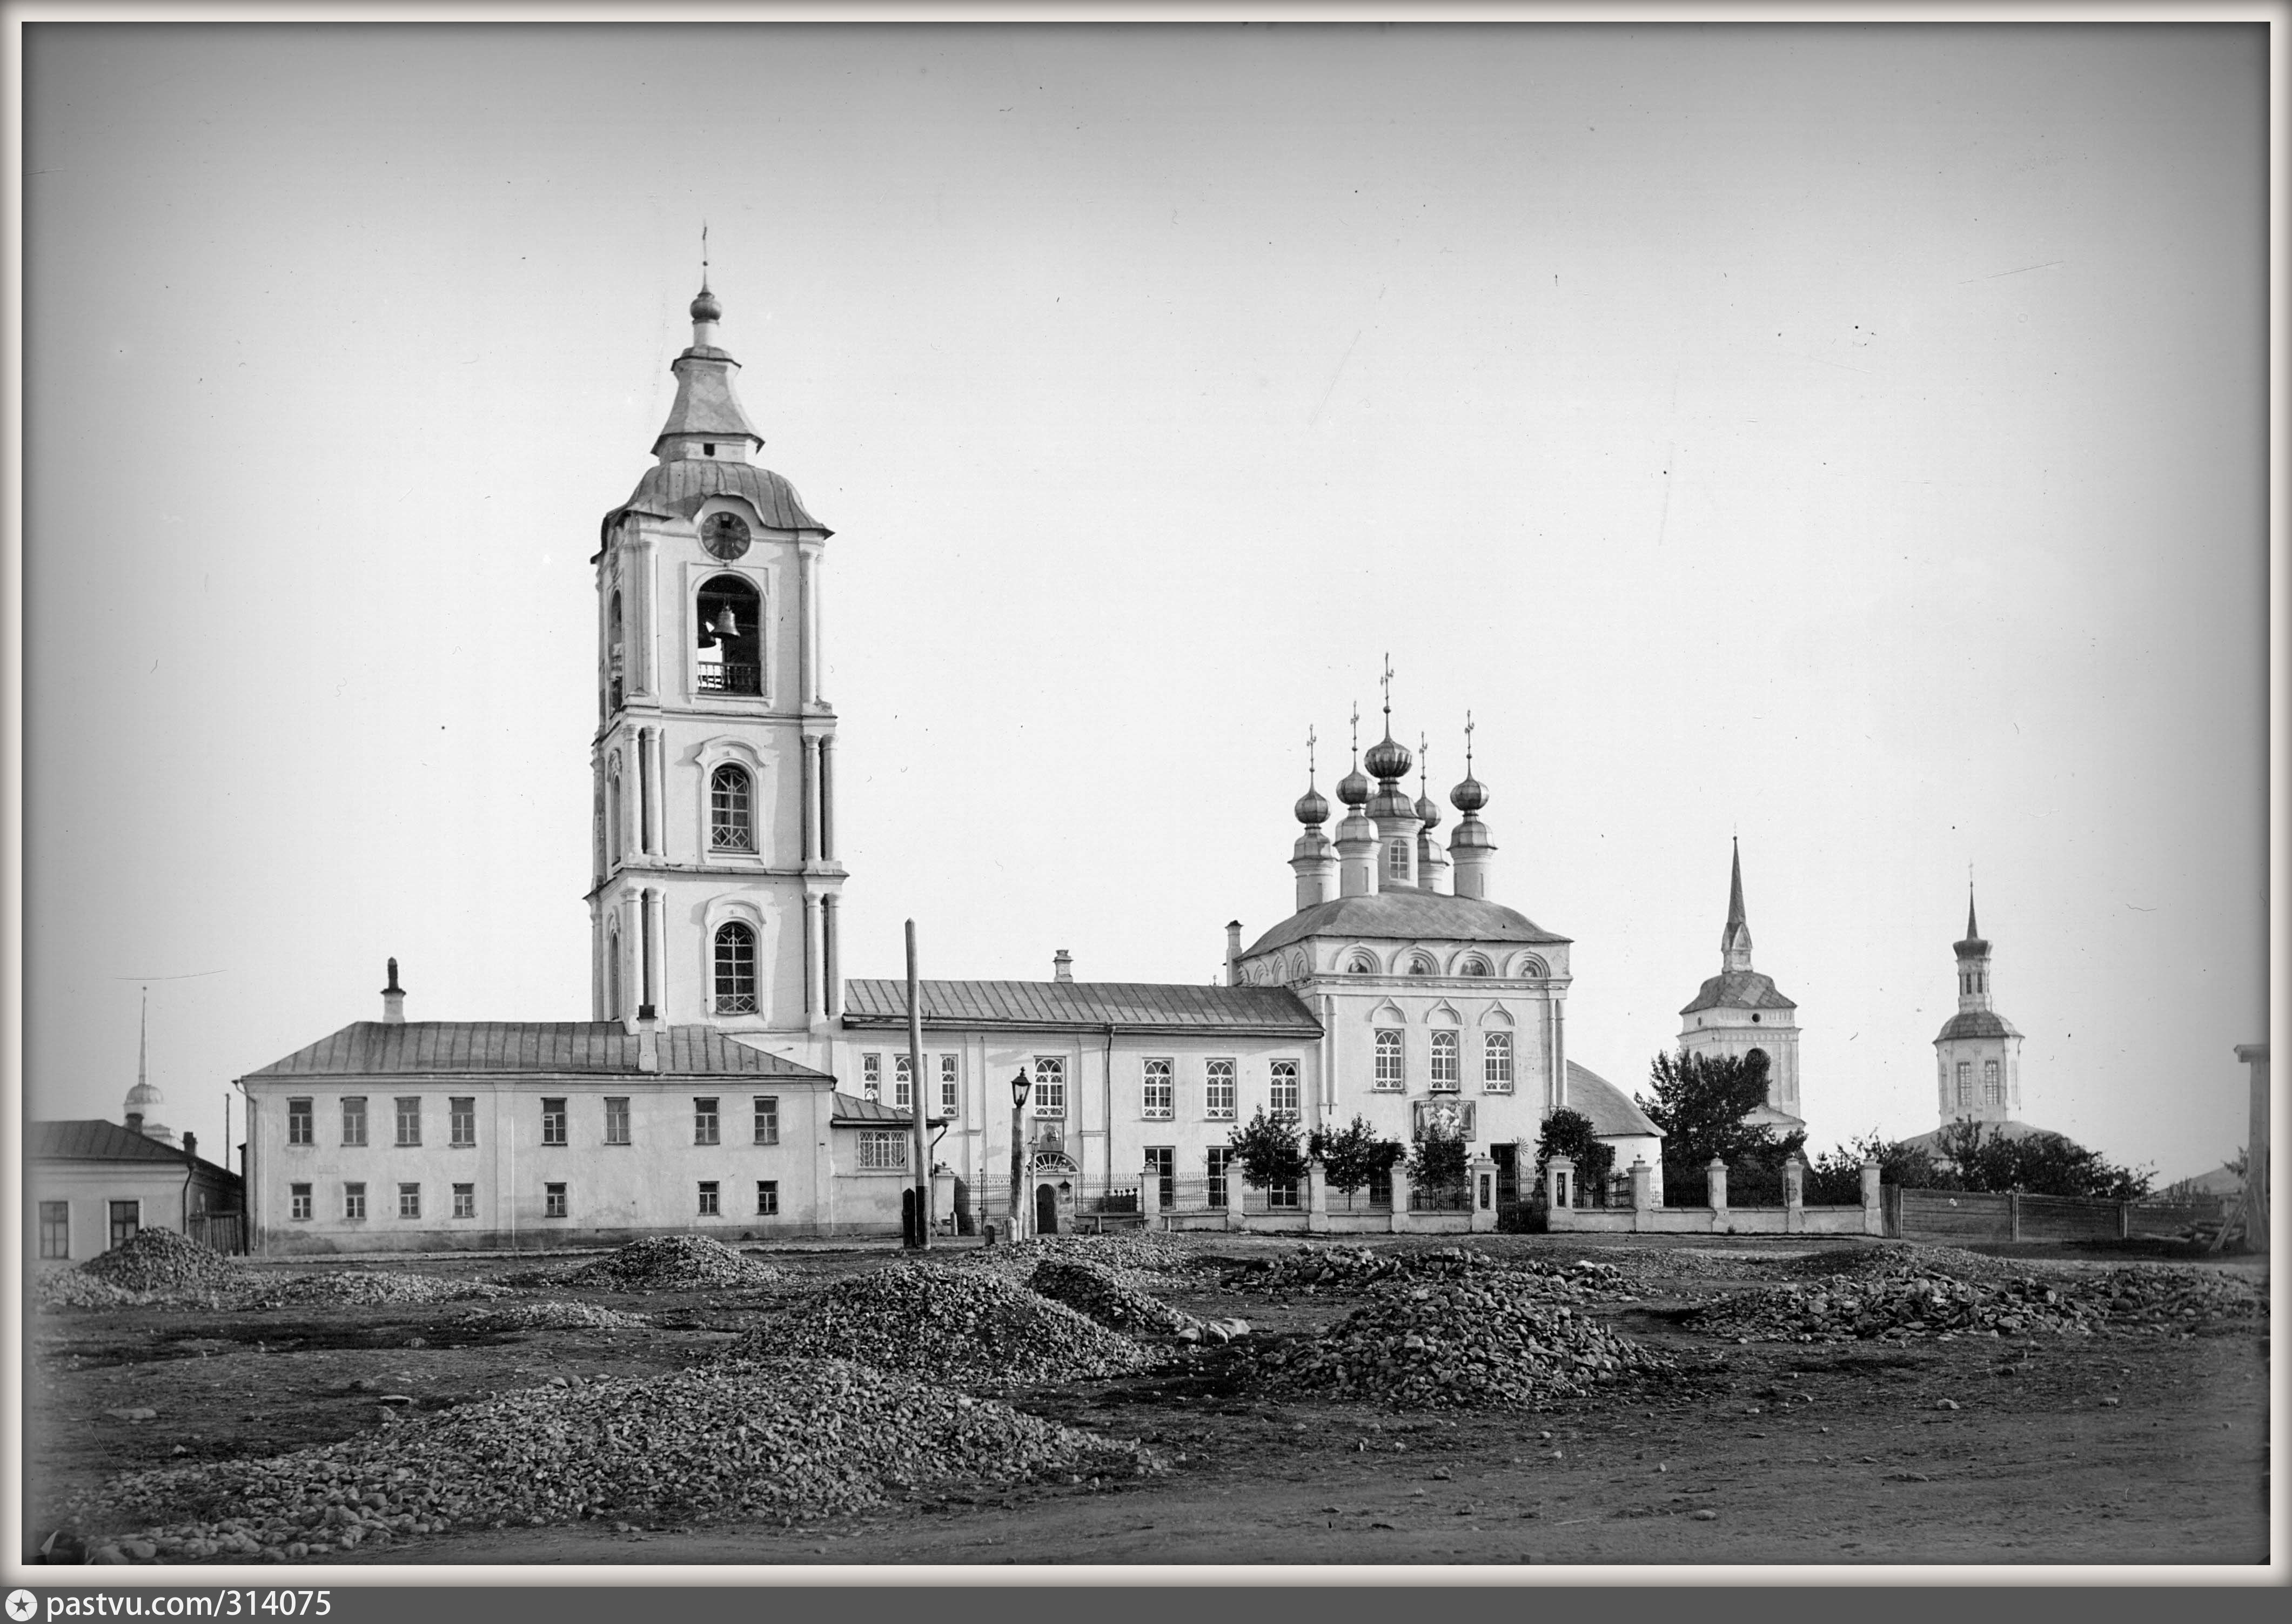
[{"x": 1738, "y": 989}]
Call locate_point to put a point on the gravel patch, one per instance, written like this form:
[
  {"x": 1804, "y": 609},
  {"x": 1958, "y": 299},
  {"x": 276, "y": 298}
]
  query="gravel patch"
[
  {"x": 1103, "y": 1296},
  {"x": 161, "y": 1260},
  {"x": 72, "y": 1288},
  {"x": 674, "y": 1263},
  {"x": 1484, "y": 1342},
  {"x": 968, "y": 1327},
  {"x": 363, "y": 1289},
  {"x": 555, "y": 1315},
  {"x": 789, "y": 1440}
]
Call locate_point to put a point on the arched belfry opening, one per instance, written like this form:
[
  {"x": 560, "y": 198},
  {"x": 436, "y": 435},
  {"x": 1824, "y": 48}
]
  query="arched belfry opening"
[{"x": 732, "y": 636}]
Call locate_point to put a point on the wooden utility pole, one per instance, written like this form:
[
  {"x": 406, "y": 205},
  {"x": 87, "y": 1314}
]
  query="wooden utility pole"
[{"x": 915, "y": 1096}]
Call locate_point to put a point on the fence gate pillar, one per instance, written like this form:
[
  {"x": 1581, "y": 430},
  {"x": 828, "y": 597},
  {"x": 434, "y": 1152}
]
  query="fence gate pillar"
[
  {"x": 1481, "y": 1187},
  {"x": 1401, "y": 1224},
  {"x": 2013, "y": 1213},
  {"x": 1317, "y": 1197},
  {"x": 1874, "y": 1221},
  {"x": 1233, "y": 1186},
  {"x": 1642, "y": 1192},
  {"x": 1149, "y": 1199},
  {"x": 1715, "y": 1170}
]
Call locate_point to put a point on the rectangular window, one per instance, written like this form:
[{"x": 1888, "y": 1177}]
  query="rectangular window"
[
  {"x": 1050, "y": 1086},
  {"x": 1160, "y": 1100},
  {"x": 462, "y": 1121},
  {"x": 1219, "y": 1155},
  {"x": 617, "y": 1119},
  {"x": 354, "y": 1200},
  {"x": 1495, "y": 1062},
  {"x": 767, "y": 1198},
  {"x": 1964, "y": 1085},
  {"x": 553, "y": 1201},
  {"x": 871, "y": 1076},
  {"x": 883, "y": 1150},
  {"x": 704, "y": 1122},
  {"x": 1993, "y": 1086},
  {"x": 1162, "y": 1172},
  {"x": 55, "y": 1229},
  {"x": 1283, "y": 1099},
  {"x": 951, "y": 1086},
  {"x": 409, "y": 1119},
  {"x": 1217, "y": 1089},
  {"x": 1281, "y": 1196},
  {"x": 552, "y": 1122},
  {"x": 466, "y": 1200},
  {"x": 298, "y": 1200},
  {"x": 708, "y": 1208},
  {"x": 903, "y": 1083},
  {"x": 1388, "y": 1059},
  {"x": 409, "y": 1200},
  {"x": 1445, "y": 1077},
  {"x": 354, "y": 1118},
  {"x": 768, "y": 1119},
  {"x": 1396, "y": 859},
  {"x": 298, "y": 1121}
]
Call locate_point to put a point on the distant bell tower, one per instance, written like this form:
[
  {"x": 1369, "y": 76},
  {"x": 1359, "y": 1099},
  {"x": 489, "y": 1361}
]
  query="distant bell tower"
[
  {"x": 1978, "y": 1051},
  {"x": 1739, "y": 1011},
  {"x": 714, "y": 874}
]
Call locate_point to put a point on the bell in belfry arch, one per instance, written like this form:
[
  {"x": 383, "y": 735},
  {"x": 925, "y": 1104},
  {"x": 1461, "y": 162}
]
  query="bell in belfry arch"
[{"x": 726, "y": 628}]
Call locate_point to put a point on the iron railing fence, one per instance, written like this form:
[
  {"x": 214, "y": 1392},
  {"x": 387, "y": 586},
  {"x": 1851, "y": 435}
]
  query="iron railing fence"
[
  {"x": 731, "y": 679},
  {"x": 1453, "y": 1198}
]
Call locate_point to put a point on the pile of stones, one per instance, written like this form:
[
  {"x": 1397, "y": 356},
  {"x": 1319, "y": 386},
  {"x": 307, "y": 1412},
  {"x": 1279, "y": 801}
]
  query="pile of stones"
[
  {"x": 1309, "y": 1269},
  {"x": 674, "y": 1263},
  {"x": 363, "y": 1289},
  {"x": 553, "y": 1315},
  {"x": 783, "y": 1440},
  {"x": 75, "y": 1289},
  {"x": 1482, "y": 1343},
  {"x": 1106, "y": 1297},
  {"x": 2165, "y": 1299},
  {"x": 161, "y": 1260},
  {"x": 1899, "y": 1303},
  {"x": 967, "y": 1327}
]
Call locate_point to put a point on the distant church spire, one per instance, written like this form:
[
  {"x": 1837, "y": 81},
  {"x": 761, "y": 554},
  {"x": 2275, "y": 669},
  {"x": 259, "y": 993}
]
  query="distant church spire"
[{"x": 1735, "y": 941}]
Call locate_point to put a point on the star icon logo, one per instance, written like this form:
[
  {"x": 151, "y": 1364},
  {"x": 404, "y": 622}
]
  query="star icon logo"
[{"x": 21, "y": 1606}]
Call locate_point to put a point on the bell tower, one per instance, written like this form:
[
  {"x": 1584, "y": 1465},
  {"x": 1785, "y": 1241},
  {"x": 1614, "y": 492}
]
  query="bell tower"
[{"x": 715, "y": 877}]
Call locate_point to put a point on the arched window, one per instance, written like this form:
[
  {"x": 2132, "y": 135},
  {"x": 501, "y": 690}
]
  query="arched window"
[
  {"x": 729, "y": 828},
  {"x": 1993, "y": 1083},
  {"x": 1444, "y": 1076},
  {"x": 613, "y": 975},
  {"x": 1531, "y": 968},
  {"x": 735, "y": 970},
  {"x": 1495, "y": 1062},
  {"x": 1474, "y": 965},
  {"x": 1388, "y": 1059},
  {"x": 727, "y": 612},
  {"x": 613, "y": 652},
  {"x": 613, "y": 819},
  {"x": 1419, "y": 965},
  {"x": 1964, "y": 1085},
  {"x": 1361, "y": 965}
]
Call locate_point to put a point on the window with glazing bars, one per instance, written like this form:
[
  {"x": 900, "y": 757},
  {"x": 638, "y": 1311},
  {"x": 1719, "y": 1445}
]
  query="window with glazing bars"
[
  {"x": 466, "y": 1200},
  {"x": 298, "y": 1200},
  {"x": 553, "y": 1201},
  {"x": 1495, "y": 1062},
  {"x": 735, "y": 970},
  {"x": 298, "y": 1121},
  {"x": 767, "y": 1198},
  {"x": 55, "y": 1229},
  {"x": 871, "y": 1076},
  {"x": 1160, "y": 1098},
  {"x": 704, "y": 1122},
  {"x": 1965, "y": 1083},
  {"x": 1993, "y": 1083},
  {"x": 617, "y": 1119},
  {"x": 461, "y": 1120},
  {"x": 1217, "y": 1089},
  {"x": 767, "y": 1118},
  {"x": 1445, "y": 1068},
  {"x": 708, "y": 1208},
  {"x": 1282, "y": 1099},
  {"x": 1215, "y": 1160},
  {"x": 409, "y": 1200},
  {"x": 552, "y": 1122},
  {"x": 729, "y": 827},
  {"x": 409, "y": 1119},
  {"x": 354, "y": 1200},
  {"x": 950, "y": 1084},
  {"x": 1050, "y": 1086},
  {"x": 882, "y": 1150},
  {"x": 903, "y": 1083},
  {"x": 1388, "y": 1058},
  {"x": 354, "y": 1118}
]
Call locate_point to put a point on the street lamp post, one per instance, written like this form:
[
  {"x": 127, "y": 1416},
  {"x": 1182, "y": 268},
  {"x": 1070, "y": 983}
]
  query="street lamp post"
[{"x": 1020, "y": 1089}]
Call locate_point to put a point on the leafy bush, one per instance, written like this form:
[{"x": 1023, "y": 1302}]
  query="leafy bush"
[
  {"x": 1351, "y": 1157},
  {"x": 1570, "y": 1133},
  {"x": 1437, "y": 1161},
  {"x": 1268, "y": 1151},
  {"x": 1701, "y": 1103}
]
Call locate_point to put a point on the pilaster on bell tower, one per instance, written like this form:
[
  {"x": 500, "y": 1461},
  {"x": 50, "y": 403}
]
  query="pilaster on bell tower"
[{"x": 715, "y": 873}]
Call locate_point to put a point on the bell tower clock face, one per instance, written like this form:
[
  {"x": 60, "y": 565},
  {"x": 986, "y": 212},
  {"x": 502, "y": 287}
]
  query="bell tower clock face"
[{"x": 726, "y": 535}]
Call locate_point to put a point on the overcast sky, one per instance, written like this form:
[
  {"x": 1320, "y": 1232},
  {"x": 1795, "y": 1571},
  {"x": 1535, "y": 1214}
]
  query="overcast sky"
[{"x": 1851, "y": 437}]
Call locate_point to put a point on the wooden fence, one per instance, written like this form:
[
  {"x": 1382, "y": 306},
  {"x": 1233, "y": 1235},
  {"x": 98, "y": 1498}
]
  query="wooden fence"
[{"x": 1970, "y": 1218}]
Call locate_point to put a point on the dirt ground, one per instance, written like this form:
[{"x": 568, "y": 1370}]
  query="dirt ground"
[{"x": 1798, "y": 1452}]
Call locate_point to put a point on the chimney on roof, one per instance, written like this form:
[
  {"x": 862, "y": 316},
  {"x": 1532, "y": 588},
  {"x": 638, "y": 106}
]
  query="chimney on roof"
[
  {"x": 648, "y": 1040},
  {"x": 1233, "y": 952},
  {"x": 1062, "y": 966},
  {"x": 393, "y": 999},
  {"x": 134, "y": 1121},
  {"x": 191, "y": 1145}
]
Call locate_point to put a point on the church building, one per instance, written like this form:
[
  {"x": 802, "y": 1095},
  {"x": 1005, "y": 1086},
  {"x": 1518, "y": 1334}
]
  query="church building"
[
  {"x": 1978, "y": 1051},
  {"x": 730, "y": 1081},
  {"x": 1740, "y": 1012}
]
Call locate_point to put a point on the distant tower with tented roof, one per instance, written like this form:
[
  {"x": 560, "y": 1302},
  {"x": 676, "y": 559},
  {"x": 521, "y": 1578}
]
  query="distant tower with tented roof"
[{"x": 1739, "y": 1013}]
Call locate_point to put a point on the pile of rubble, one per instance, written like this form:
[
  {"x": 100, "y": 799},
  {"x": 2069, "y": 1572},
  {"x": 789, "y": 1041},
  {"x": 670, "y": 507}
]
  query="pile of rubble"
[
  {"x": 1310, "y": 1269},
  {"x": 969, "y": 1327},
  {"x": 74, "y": 1289},
  {"x": 1106, "y": 1297},
  {"x": 790, "y": 1440},
  {"x": 161, "y": 1260},
  {"x": 1484, "y": 1342},
  {"x": 362, "y": 1288},
  {"x": 1902, "y": 1302},
  {"x": 674, "y": 1263},
  {"x": 553, "y": 1315},
  {"x": 2164, "y": 1299}
]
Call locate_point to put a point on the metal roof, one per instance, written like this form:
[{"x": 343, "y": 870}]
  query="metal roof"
[
  {"x": 1738, "y": 989},
  {"x": 676, "y": 489},
  {"x": 706, "y": 404},
  {"x": 851, "y": 1108},
  {"x": 101, "y": 1141},
  {"x": 1053, "y": 1006},
  {"x": 409, "y": 1049},
  {"x": 1406, "y": 915},
  {"x": 1976, "y": 1023},
  {"x": 1611, "y": 1109}
]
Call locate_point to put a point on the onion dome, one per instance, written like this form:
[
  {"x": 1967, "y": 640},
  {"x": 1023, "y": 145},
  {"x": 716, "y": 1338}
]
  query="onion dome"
[
  {"x": 1428, "y": 811},
  {"x": 1389, "y": 759},
  {"x": 1469, "y": 796},
  {"x": 1353, "y": 789},
  {"x": 1312, "y": 808},
  {"x": 705, "y": 308}
]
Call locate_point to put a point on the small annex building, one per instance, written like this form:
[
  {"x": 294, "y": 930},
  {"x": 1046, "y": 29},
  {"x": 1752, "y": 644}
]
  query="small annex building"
[{"x": 91, "y": 1184}]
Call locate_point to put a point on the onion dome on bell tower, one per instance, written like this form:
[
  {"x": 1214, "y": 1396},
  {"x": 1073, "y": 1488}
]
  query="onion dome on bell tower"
[
  {"x": 1313, "y": 860},
  {"x": 705, "y": 421},
  {"x": 1395, "y": 815},
  {"x": 1470, "y": 848},
  {"x": 1432, "y": 862},
  {"x": 1356, "y": 836}
]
